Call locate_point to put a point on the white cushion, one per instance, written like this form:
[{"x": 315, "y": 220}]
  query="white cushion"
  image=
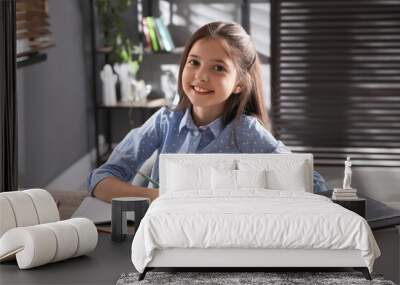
[
  {"x": 190, "y": 174},
  {"x": 23, "y": 208},
  {"x": 40, "y": 244},
  {"x": 87, "y": 235},
  {"x": 223, "y": 179},
  {"x": 284, "y": 172},
  {"x": 227, "y": 179},
  {"x": 251, "y": 179},
  {"x": 45, "y": 205},
  {"x": 7, "y": 220},
  {"x": 290, "y": 180},
  {"x": 66, "y": 237},
  {"x": 183, "y": 177},
  {"x": 26, "y": 208},
  {"x": 34, "y": 244}
]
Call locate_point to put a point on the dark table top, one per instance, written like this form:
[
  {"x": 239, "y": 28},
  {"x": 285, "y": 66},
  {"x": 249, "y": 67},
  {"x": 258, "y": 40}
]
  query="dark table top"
[
  {"x": 104, "y": 265},
  {"x": 378, "y": 214}
]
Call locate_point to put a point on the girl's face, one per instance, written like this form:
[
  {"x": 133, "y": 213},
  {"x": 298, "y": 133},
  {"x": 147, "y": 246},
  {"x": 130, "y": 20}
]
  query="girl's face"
[{"x": 209, "y": 76}]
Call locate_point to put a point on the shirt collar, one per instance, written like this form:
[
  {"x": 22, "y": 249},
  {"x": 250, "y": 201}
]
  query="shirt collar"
[{"x": 187, "y": 121}]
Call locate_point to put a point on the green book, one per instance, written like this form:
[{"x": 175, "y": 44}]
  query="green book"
[{"x": 152, "y": 31}]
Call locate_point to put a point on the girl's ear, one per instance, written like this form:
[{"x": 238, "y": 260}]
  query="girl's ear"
[{"x": 237, "y": 89}]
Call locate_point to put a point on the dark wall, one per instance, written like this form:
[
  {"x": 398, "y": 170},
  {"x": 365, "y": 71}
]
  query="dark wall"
[{"x": 54, "y": 99}]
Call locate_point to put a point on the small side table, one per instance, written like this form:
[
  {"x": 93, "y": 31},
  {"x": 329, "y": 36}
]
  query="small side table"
[
  {"x": 356, "y": 205},
  {"x": 122, "y": 205}
]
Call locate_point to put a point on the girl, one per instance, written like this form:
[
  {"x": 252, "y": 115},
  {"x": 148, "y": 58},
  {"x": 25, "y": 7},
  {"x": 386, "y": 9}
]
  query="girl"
[{"x": 221, "y": 109}]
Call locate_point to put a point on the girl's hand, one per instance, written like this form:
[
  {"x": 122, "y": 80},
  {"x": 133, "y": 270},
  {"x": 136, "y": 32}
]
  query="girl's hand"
[
  {"x": 112, "y": 187},
  {"x": 153, "y": 194}
]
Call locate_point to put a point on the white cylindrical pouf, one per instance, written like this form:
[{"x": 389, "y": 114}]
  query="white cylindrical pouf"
[
  {"x": 87, "y": 234},
  {"x": 67, "y": 240},
  {"x": 40, "y": 244},
  {"x": 23, "y": 208},
  {"x": 37, "y": 245},
  {"x": 7, "y": 218},
  {"x": 45, "y": 205}
]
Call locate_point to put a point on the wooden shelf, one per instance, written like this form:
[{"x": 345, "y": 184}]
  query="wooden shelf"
[
  {"x": 156, "y": 103},
  {"x": 103, "y": 49},
  {"x": 176, "y": 51}
]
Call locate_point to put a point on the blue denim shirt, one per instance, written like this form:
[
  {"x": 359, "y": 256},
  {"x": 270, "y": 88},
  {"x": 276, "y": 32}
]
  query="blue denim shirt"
[{"x": 170, "y": 131}]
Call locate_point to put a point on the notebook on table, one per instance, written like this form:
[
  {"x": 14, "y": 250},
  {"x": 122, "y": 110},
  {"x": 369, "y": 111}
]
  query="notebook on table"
[{"x": 97, "y": 211}]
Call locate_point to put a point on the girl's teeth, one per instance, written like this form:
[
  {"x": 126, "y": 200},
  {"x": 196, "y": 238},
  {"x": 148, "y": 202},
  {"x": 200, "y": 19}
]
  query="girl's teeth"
[{"x": 199, "y": 89}]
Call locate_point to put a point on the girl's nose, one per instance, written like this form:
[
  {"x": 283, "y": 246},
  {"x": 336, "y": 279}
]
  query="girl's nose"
[{"x": 202, "y": 74}]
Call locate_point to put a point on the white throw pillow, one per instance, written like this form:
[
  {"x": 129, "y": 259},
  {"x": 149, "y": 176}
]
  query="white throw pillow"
[
  {"x": 292, "y": 179},
  {"x": 251, "y": 178},
  {"x": 183, "y": 177},
  {"x": 223, "y": 179},
  {"x": 227, "y": 179},
  {"x": 288, "y": 174}
]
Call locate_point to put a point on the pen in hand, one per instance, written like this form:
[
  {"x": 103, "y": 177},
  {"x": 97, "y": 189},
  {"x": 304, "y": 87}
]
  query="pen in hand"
[{"x": 148, "y": 179}]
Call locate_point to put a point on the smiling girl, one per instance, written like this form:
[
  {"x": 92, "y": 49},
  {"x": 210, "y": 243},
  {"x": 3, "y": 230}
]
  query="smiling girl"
[{"x": 221, "y": 110}]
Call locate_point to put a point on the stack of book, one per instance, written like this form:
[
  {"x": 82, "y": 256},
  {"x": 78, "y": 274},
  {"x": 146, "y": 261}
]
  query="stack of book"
[
  {"x": 156, "y": 35},
  {"x": 344, "y": 194}
]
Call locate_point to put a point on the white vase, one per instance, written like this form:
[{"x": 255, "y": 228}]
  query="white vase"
[{"x": 109, "y": 79}]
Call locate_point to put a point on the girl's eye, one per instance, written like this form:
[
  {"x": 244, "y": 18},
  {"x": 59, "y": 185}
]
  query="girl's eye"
[
  {"x": 219, "y": 68},
  {"x": 193, "y": 62}
]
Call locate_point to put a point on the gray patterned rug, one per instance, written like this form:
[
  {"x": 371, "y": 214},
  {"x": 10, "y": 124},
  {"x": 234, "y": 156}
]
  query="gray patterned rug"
[{"x": 269, "y": 278}]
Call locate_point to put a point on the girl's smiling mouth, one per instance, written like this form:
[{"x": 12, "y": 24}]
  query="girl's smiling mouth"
[{"x": 201, "y": 91}]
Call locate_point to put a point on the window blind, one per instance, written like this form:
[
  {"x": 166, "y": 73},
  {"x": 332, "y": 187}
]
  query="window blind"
[
  {"x": 336, "y": 79},
  {"x": 33, "y": 34}
]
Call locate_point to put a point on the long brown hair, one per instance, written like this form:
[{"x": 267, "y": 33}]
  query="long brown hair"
[{"x": 239, "y": 46}]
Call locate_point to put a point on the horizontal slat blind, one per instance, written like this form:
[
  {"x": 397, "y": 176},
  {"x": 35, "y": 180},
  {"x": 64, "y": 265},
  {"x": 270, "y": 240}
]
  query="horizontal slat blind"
[
  {"x": 336, "y": 79},
  {"x": 33, "y": 32}
]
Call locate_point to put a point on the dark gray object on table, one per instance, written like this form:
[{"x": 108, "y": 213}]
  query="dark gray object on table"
[
  {"x": 355, "y": 205},
  {"x": 122, "y": 205},
  {"x": 378, "y": 215}
]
